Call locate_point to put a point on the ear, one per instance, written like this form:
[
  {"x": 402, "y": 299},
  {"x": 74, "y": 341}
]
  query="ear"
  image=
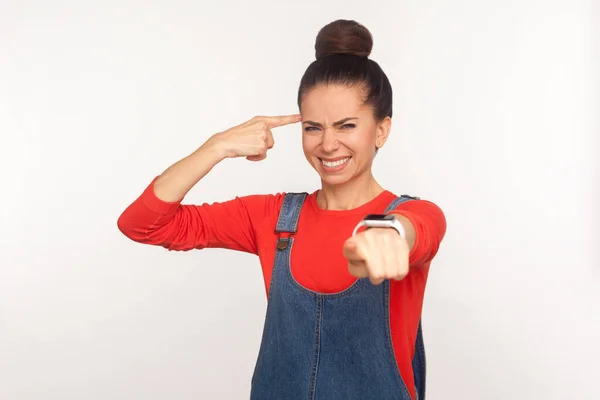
[{"x": 383, "y": 131}]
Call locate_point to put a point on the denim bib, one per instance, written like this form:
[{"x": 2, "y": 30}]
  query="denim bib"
[{"x": 318, "y": 346}]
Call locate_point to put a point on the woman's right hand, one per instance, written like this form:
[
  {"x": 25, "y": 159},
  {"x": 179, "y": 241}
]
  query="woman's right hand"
[{"x": 251, "y": 139}]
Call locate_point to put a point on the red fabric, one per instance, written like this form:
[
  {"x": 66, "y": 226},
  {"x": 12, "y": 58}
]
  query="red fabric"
[{"x": 248, "y": 224}]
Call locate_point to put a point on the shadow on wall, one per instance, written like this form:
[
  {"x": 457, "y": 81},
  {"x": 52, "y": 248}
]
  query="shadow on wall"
[
  {"x": 596, "y": 143},
  {"x": 596, "y": 204}
]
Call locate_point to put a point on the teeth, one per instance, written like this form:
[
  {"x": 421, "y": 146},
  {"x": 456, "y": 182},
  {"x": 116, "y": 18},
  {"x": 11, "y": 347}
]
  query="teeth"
[{"x": 333, "y": 164}]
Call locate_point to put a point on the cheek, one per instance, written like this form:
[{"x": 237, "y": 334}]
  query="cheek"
[
  {"x": 309, "y": 143},
  {"x": 361, "y": 143}
]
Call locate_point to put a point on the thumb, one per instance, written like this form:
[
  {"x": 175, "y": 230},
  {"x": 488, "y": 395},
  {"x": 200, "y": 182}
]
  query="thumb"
[
  {"x": 259, "y": 157},
  {"x": 352, "y": 251}
]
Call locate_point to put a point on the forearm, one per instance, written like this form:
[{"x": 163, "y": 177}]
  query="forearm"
[
  {"x": 177, "y": 180},
  {"x": 156, "y": 217},
  {"x": 425, "y": 226}
]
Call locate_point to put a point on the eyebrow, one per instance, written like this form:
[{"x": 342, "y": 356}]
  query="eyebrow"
[{"x": 337, "y": 123}]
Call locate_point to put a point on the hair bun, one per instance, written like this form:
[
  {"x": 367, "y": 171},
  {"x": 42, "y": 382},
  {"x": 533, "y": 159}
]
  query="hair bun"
[{"x": 344, "y": 37}]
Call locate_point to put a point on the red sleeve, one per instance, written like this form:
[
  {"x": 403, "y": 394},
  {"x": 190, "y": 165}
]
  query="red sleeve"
[
  {"x": 430, "y": 228},
  {"x": 231, "y": 224}
]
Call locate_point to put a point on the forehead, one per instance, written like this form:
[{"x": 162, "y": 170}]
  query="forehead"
[{"x": 333, "y": 102}]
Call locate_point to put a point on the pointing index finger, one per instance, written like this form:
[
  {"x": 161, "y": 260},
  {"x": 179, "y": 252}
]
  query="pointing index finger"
[
  {"x": 352, "y": 252},
  {"x": 282, "y": 120}
]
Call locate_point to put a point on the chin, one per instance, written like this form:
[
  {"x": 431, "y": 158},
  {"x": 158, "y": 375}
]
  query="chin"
[{"x": 334, "y": 180}]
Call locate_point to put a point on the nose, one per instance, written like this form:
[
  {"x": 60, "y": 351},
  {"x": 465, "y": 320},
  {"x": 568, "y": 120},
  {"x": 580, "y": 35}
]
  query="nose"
[{"x": 329, "y": 141}]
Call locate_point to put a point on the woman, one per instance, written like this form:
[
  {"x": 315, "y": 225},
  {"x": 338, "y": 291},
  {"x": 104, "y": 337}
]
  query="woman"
[{"x": 327, "y": 334}]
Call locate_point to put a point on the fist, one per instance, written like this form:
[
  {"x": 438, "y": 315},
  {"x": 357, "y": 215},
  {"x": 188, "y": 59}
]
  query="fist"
[
  {"x": 377, "y": 254},
  {"x": 253, "y": 138}
]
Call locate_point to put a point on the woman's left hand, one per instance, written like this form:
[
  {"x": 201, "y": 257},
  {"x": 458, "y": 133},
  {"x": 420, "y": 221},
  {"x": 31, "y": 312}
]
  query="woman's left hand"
[{"x": 377, "y": 254}]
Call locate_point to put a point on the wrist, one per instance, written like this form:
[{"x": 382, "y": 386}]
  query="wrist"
[
  {"x": 381, "y": 221},
  {"x": 213, "y": 149}
]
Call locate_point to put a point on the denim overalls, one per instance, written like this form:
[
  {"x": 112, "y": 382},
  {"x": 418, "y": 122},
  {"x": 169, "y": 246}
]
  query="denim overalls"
[{"x": 336, "y": 346}]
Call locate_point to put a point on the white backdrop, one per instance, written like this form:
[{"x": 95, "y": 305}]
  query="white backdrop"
[{"x": 496, "y": 120}]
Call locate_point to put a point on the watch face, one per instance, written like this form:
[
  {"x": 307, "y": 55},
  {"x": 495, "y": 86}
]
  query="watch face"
[{"x": 379, "y": 217}]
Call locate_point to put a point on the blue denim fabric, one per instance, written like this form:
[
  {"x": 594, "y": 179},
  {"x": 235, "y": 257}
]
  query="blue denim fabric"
[{"x": 319, "y": 346}]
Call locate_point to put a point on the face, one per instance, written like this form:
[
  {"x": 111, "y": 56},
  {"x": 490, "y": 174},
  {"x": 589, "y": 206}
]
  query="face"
[{"x": 340, "y": 133}]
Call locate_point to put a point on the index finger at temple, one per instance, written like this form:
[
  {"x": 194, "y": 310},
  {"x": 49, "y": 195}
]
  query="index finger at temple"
[{"x": 274, "y": 122}]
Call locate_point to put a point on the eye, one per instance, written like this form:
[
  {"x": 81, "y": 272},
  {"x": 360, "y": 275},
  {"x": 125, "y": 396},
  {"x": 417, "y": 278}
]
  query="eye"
[
  {"x": 310, "y": 128},
  {"x": 348, "y": 126}
]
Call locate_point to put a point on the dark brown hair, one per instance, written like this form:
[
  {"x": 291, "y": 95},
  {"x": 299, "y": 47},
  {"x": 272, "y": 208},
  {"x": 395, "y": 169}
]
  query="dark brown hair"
[{"x": 342, "y": 52}]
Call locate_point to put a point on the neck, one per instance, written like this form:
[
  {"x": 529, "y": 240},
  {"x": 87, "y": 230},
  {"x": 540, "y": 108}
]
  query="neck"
[{"x": 349, "y": 195}]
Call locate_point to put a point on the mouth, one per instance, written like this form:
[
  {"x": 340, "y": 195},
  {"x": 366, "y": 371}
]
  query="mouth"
[{"x": 334, "y": 164}]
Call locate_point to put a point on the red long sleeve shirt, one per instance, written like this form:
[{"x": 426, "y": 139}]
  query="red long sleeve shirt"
[{"x": 247, "y": 224}]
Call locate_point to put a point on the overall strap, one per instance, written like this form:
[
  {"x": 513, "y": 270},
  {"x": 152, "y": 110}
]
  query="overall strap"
[
  {"x": 288, "y": 217},
  {"x": 290, "y": 212},
  {"x": 399, "y": 200}
]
